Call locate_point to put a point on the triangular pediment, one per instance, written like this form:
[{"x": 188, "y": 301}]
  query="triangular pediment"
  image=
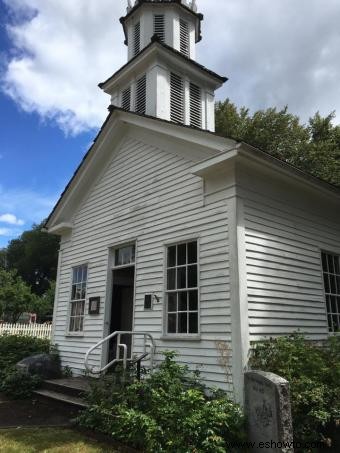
[{"x": 192, "y": 144}]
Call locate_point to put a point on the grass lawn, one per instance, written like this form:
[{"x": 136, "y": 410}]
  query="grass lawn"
[{"x": 49, "y": 440}]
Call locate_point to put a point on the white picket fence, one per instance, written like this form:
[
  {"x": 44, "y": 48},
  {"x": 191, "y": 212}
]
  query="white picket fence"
[{"x": 32, "y": 330}]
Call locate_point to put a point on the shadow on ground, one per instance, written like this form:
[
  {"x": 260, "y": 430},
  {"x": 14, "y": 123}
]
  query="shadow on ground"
[{"x": 34, "y": 413}]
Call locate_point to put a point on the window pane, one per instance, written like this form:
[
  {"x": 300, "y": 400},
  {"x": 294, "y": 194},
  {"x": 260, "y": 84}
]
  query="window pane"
[
  {"x": 192, "y": 252},
  {"x": 193, "y": 300},
  {"x": 326, "y": 280},
  {"x": 172, "y": 256},
  {"x": 171, "y": 278},
  {"x": 192, "y": 276},
  {"x": 337, "y": 264},
  {"x": 182, "y": 323},
  {"x": 78, "y": 292},
  {"x": 125, "y": 256},
  {"x": 172, "y": 323},
  {"x": 333, "y": 284},
  {"x": 182, "y": 301},
  {"x": 172, "y": 302},
  {"x": 181, "y": 254},
  {"x": 83, "y": 291},
  {"x": 193, "y": 323},
  {"x": 324, "y": 262},
  {"x": 181, "y": 277},
  {"x": 330, "y": 264},
  {"x": 74, "y": 309},
  {"x": 71, "y": 324}
]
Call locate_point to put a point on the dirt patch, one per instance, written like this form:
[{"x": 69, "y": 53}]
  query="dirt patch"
[{"x": 34, "y": 413}]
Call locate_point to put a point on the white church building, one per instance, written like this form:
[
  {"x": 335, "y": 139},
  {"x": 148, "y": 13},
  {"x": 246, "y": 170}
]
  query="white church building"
[{"x": 190, "y": 241}]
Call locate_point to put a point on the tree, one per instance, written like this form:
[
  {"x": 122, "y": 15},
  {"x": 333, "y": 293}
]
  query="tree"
[
  {"x": 3, "y": 258},
  {"x": 44, "y": 307},
  {"x": 314, "y": 148},
  {"x": 34, "y": 255},
  {"x": 16, "y": 296}
]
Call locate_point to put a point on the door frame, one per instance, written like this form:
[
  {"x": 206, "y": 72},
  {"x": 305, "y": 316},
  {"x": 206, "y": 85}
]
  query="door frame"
[{"x": 109, "y": 292}]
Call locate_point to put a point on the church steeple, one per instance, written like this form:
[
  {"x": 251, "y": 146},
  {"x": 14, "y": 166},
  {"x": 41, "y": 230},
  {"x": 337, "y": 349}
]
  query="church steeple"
[{"x": 162, "y": 78}]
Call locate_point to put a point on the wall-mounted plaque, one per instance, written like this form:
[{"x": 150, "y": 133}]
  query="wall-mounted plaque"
[{"x": 94, "y": 305}]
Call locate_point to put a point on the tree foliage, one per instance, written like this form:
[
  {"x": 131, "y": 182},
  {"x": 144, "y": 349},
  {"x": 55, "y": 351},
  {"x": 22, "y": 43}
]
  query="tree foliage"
[
  {"x": 313, "y": 372},
  {"x": 16, "y": 296},
  {"x": 34, "y": 255},
  {"x": 313, "y": 148}
]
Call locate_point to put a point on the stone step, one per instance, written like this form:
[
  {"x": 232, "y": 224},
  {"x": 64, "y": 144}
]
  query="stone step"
[
  {"x": 62, "y": 398},
  {"x": 72, "y": 386}
]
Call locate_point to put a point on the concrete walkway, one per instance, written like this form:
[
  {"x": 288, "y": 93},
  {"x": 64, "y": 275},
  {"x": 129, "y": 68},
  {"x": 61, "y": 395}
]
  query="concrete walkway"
[{"x": 34, "y": 413}]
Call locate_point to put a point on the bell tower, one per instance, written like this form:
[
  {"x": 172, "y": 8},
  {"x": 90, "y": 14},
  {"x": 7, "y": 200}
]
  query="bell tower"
[{"x": 162, "y": 78}]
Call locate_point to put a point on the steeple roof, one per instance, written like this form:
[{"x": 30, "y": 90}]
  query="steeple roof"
[{"x": 155, "y": 42}]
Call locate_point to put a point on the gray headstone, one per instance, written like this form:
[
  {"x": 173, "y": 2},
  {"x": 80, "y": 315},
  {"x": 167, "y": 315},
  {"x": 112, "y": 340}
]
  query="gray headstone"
[
  {"x": 44, "y": 365},
  {"x": 268, "y": 411}
]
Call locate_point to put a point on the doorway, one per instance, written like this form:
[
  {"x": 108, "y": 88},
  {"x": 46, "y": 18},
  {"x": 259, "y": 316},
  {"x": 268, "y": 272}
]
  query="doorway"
[{"x": 122, "y": 307}]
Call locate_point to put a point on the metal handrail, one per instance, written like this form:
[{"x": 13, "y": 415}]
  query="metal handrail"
[{"x": 124, "y": 347}]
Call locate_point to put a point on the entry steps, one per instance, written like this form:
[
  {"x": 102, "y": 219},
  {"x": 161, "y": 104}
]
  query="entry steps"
[{"x": 68, "y": 391}]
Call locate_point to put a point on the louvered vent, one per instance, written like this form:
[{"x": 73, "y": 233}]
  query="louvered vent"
[
  {"x": 195, "y": 106},
  {"x": 159, "y": 26},
  {"x": 176, "y": 98},
  {"x": 136, "y": 39},
  {"x": 184, "y": 37},
  {"x": 140, "y": 106},
  {"x": 126, "y": 99}
]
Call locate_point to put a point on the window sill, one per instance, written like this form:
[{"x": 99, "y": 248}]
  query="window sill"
[
  {"x": 74, "y": 335},
  {"x": 180, "y": 338}
]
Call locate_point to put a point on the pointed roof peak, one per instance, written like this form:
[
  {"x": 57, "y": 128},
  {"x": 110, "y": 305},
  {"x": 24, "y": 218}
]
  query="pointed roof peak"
[{"x": 191, "y": 4}]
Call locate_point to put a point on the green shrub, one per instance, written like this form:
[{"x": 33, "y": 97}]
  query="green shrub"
[
  {"x": 14, "y": 348},
  {"x": 167, "y": 411},
  {"x": 19, "y": 385},
  {"x": 313, "y": 372}
]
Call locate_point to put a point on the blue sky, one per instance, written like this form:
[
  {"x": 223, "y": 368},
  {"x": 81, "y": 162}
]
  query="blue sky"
[
  {"x": 53, "y": 53},
  {"x": 36, "y": 160}
]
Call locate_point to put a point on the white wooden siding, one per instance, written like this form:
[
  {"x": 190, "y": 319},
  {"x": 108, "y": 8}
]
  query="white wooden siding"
[
  {"x": 284, "y": 272},
  {"x": 152, "y": 196}
]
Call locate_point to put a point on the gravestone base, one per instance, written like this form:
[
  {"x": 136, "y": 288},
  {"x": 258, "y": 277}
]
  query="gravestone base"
[{"x": 268, "y": 411}]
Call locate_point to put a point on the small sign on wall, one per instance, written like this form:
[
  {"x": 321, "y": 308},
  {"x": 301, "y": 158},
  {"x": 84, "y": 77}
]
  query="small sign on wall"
[{"x": 94, "y": 305}]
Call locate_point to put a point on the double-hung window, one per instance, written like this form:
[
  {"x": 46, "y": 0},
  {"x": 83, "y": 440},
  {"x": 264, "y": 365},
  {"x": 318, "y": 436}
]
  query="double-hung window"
[
  {"x": 182, "y": 313},
  {"x": 78, "y": 297},
  {"x": 331, "y": 276}
]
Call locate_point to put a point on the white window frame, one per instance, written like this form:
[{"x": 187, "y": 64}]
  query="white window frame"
[
  {"x": 181, "y": 336},
  {"x": 329, "y": 293},
  {"x": 123, "y": 246},
  {"x": 77, "y": 333}
]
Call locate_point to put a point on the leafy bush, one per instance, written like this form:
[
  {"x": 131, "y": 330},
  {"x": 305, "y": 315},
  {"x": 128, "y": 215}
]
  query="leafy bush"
[
  {"x": 14, "y": 348},
  {"x": 314, "y": 374},
  {"x": 19, "y": 385},
  {"x": 167, "y": 411}
]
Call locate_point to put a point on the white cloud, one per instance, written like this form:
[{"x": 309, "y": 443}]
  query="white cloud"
[
  {"x": 275, "y": 53},
  {"x": 11, "y": 219},
  {"x": 63, "y": 51},
  {"x": 5, "y": 232}
]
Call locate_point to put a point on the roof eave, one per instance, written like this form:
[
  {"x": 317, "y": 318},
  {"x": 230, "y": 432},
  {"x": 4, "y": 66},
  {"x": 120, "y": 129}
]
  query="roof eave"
[{"x": 153, "y": 44}]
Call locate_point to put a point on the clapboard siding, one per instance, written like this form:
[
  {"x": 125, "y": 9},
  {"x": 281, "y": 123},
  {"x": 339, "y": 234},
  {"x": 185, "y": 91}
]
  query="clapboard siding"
[
  {"x": 284, "y": 272},
  {"x": 150, "y": 195}
]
